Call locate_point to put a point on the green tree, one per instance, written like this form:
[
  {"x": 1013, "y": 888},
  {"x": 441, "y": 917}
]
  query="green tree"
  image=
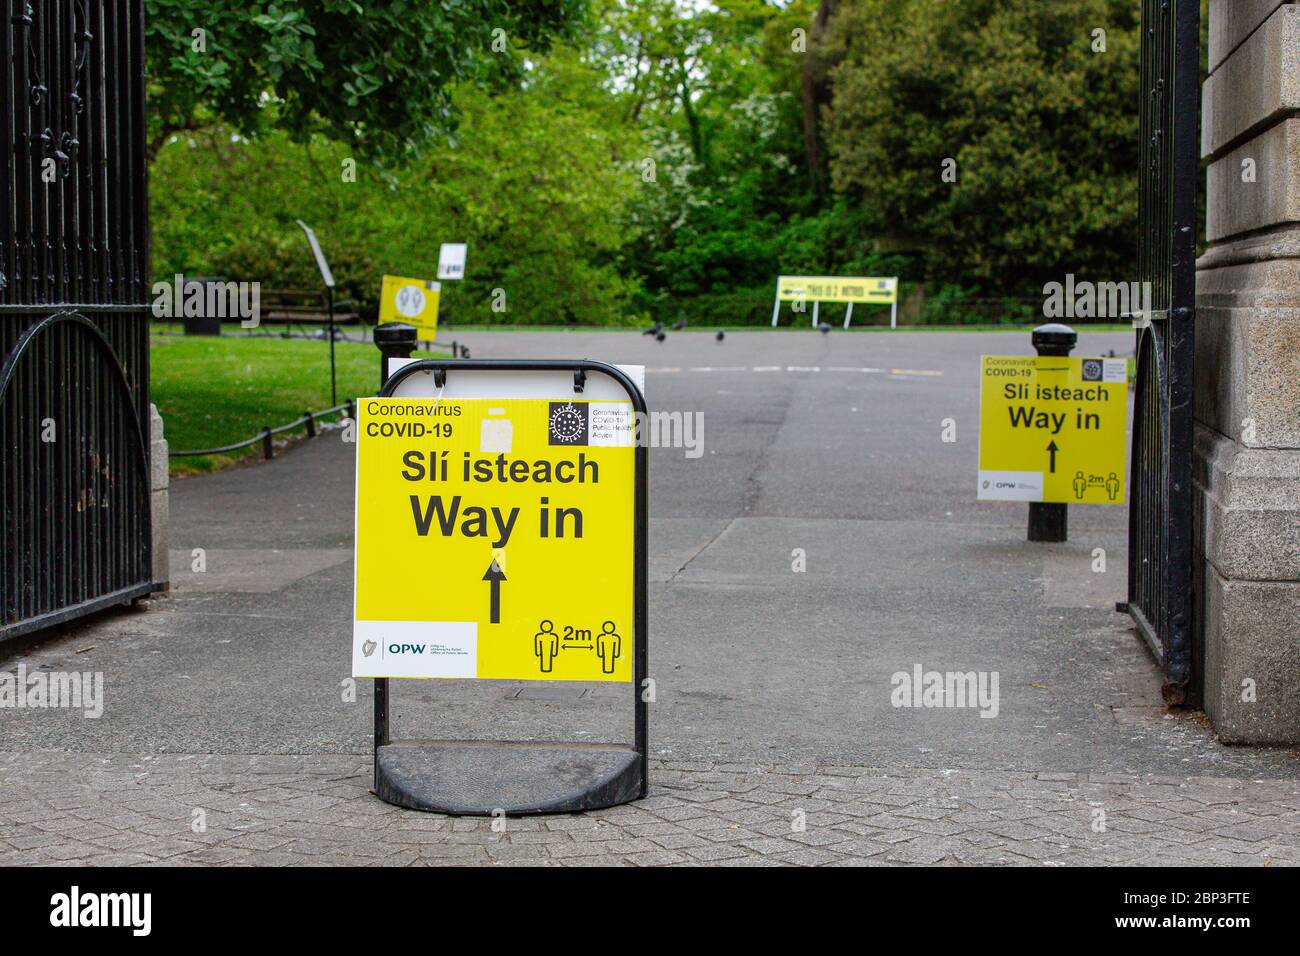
[
  {"x": 726, "y": 200},
  {"x": 538, "y": 182},
  {"x": 666, "y": 157},
  {"x": 682, "y": 65},
  {"x": 376, "y": 76},
  {"x": 1042, "y": 127}
]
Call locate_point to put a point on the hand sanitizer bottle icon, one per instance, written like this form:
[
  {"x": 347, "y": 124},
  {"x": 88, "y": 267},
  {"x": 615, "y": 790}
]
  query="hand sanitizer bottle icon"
[{"x": 496, "y": 434}]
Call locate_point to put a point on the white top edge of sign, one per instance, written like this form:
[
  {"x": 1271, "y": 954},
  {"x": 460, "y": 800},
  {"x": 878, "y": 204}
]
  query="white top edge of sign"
[{"x": 517, "y": 383}]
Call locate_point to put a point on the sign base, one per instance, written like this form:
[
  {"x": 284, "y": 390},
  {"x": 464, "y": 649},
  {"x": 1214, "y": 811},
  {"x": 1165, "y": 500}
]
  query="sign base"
[{"x": 477, "y": 777}]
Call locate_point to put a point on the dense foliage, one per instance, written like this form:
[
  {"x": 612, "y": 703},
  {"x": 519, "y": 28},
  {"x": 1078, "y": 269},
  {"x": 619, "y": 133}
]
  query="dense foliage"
[
  {"x": 532, "y": 185},
  {"x": 377, "y": 76},
  {"x": 1043, "y": 131},
  {"x": 632, "y": 159}
]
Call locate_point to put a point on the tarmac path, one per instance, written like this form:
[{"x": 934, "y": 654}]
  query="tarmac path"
[{"x": 765, "y": 676}]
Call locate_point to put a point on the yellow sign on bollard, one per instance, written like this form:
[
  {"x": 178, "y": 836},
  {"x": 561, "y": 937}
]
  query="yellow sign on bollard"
[
  {"x": 411, "y": 300},
  {"x": 495, "y": 539},
  {"x": 1053, "y": 429}
]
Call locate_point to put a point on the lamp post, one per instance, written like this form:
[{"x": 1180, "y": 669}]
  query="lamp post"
[{"x": 327, "y": 277}]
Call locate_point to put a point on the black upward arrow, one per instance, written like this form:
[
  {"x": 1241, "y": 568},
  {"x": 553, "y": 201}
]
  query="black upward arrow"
[
  {"x": 494, "y": 576},
  {"x": 1052, "y": 450}
]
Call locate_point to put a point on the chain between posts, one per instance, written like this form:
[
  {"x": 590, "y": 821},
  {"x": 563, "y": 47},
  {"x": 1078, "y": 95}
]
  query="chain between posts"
[{"x": 309, "y": 418}]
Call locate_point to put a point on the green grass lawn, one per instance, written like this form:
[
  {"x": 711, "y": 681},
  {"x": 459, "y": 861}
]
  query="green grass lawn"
[{"x": 214, "y": 391}]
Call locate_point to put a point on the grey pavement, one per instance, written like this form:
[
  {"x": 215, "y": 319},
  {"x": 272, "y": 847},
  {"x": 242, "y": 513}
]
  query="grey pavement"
[
  {"x": 316, "y": 810},
  {"x": 765, "y": 677}
]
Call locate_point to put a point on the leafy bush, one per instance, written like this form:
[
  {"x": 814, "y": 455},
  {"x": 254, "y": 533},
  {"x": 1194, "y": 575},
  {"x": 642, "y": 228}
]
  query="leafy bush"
[{"x": 536, "y": 185}]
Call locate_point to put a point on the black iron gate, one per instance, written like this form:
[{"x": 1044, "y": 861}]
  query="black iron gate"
[
  {"x": 1160, "y": 511},
  {"x": 75, "y": 531}
]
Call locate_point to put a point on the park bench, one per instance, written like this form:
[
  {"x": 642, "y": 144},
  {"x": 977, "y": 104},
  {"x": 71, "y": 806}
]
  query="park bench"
[{"x": 303, "y": 307}]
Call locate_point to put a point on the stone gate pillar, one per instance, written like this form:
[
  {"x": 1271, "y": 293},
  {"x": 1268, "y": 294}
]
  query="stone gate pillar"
[{"x": 1247, "y": 463}]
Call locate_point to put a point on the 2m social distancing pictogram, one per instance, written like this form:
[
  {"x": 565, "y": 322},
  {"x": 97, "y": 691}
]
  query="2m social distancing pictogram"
[
  {"x": 494, "y": 539},
  {"x": 1053, "y": 429},
  {"x": 403, "y": 299}
]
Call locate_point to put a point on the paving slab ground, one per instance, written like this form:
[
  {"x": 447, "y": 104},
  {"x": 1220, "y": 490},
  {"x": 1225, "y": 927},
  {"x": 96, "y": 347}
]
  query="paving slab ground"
[
  {"x": 314, "y": 810},
  {"x": 774, "y": 736}
]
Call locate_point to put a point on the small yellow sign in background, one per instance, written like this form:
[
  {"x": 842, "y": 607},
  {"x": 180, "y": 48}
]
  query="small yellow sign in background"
[
  {"x": 494, "y": 539},
  {"x": 1053, "y": 429},
  {"x": 870, "y": 289},
  {"x": 402, "y": 299}
]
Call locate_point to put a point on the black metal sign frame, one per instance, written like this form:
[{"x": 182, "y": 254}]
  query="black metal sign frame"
[{"x": 493, "y": 777}]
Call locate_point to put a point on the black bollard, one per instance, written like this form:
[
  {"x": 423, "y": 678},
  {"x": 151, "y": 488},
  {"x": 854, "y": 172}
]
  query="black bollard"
[
  {"x": 395, "y": 340},
  {"x": 1048, "y": 521}
]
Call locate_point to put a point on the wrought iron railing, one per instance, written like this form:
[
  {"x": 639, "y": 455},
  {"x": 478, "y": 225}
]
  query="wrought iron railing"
[
  {"x": 1160, "y": 509},
  {"x": 75, "y": 530}
]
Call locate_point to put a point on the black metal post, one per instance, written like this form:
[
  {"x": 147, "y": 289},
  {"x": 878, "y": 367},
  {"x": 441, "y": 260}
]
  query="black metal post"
[
  {"x": 394, "y": 340},
  {"x": 334, "y": 388},
  {"x": 1048, "y": 521}
]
